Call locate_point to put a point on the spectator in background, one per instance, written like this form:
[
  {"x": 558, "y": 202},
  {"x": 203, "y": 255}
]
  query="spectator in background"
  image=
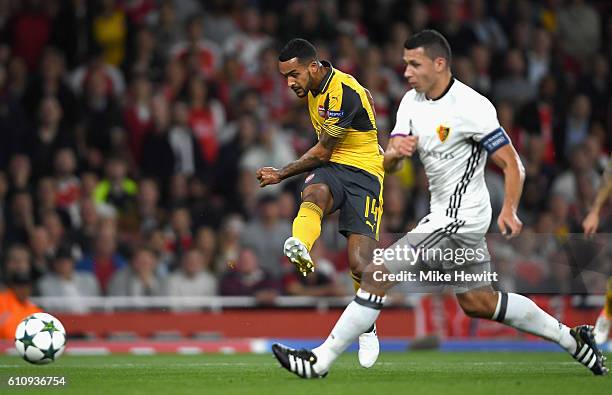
[
  {"x": 47, "y": 138},
  {"x": 179, "y": 236},
  {"x": 249, "y": 41},
  {"x": 167, "y": 28},
  {"x": 156, "y": 241},
  {"x": 229, "y": 243},
  {"x": 579, "y": 28},
  {"x": 577, "y": 123},
  {"x": 541, "y": 118},
  {"x": 30, "y": 31},
  {"x": 206, "y": 243},
  {"x": 110, "y": 31},
  {"x": 193, "y": 278},
  {"x": 116, "y": 189},
  {"x": 139, "y": 278},
  {"x": 266, "y": 234},
  {"x": 64, "y": 281},
  {"x": 15, "y": 304},
  {"x": 50, "y": 82},
  {"x": 20, "y": 218},
  {"x": 564, "y": 184},
  {"x": 42, "y": 251},
  {"x": 273, "y": 150},
  {"x": 514, "y": 86},
  {"x": 247, "y": 278},
  {"x": 101, "y": 127},
  {"x": 206, "y": 117},
  {"x": 596, "y": 83},
  {"x": 175, "y": 79},
  {"x": 459, "y": 34},
  {"x": 67, "y": 184},
  {"x": 145, "y": 59},
  {"x": 230, "y": 154},
  {"x": 18, "y": 75},
  {"x": 17, "y": 259},
  {"x": 88, "y": 227},
  {"x": 178, "y": 191},
  {"x": 138, "y": 115},
  {"x": 481, "y": 58},
  {"x": 148, "y": 214},
  {"x": 486, "y": 29},
  {"x": 539, "y": 57},
  {"x": 203, "y": 55},
  {"x": 158, "y": 160},
  {"x": 272, "y": 85},
  {"x": 187, "y": 154},
  {"x": 104, "y": 260},
  {"x": 12, "y": 119}
]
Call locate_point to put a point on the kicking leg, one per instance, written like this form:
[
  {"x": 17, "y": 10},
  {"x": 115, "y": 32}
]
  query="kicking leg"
[{"x": 316, "y": 201}]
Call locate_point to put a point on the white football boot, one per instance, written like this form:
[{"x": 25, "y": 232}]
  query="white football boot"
[
  {"x": 368, "y": 348},
  {"x": 298, "y": 254}
]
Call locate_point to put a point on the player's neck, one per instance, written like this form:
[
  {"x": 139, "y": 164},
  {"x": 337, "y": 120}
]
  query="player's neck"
[
  {"x": 318, "y": 78},
  {"x": 441, "y": 87}
]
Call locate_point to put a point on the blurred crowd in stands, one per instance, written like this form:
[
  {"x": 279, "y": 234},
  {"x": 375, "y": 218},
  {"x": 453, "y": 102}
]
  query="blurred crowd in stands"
[{"x": 132, "y": 129}]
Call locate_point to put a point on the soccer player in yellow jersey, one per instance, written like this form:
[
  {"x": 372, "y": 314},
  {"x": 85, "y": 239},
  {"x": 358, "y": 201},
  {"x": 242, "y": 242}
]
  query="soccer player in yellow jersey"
[
  {"x": 590, "y": 225},
  {"x": 345, "y": 167}
]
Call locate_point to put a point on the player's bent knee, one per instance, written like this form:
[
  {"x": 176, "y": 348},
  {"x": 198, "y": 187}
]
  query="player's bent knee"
[{"x": 318, "y": 194}]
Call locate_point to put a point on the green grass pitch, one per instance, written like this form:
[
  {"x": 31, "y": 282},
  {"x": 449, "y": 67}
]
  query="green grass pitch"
[{"x": 395, "y": 373}]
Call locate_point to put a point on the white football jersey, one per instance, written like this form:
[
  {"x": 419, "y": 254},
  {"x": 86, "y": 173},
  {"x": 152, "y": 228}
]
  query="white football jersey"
[{"x": 455, "y": 133}]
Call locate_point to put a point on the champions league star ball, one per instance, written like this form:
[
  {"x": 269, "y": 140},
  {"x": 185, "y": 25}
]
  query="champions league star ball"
[{"x": 40, "y": 338}]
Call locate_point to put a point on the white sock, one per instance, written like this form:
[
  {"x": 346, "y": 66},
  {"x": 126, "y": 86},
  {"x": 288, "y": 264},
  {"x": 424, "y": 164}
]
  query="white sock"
[
  {"x": 523, "y": 314},
  {"x": 356, "y": 319}
]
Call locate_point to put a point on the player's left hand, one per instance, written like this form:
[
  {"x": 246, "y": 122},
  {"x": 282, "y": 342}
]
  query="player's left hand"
[
  {"x": 268, "y": 176},
  {"x": 509, "y": 223}
]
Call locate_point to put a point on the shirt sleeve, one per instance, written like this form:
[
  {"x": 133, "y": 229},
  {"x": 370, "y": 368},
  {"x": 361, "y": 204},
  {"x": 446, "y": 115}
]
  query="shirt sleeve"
[{"x": 483, "y": 126}]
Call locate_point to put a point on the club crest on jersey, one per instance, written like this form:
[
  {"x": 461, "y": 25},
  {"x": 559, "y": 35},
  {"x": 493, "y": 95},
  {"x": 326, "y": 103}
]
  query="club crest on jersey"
[{"x": 443, "y": 132}]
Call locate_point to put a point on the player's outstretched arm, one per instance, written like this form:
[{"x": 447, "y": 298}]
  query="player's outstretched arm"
[
  {"x": 316, "y": 156},
  {"x": 509, "y": 161}
]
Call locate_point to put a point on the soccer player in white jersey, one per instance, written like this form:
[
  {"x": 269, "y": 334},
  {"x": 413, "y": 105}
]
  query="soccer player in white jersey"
[{"x": 454, "y": 129}]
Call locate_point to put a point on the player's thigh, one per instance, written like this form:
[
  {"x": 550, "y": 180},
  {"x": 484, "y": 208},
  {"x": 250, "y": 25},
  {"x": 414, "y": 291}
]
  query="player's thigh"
[
  {"x": 362, "y": 207},
  {"x": 360, "y": 251},
  {"x": 323, "y": 189}
]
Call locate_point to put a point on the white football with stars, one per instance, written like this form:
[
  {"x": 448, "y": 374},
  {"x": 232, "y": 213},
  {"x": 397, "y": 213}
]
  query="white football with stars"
[{"x": 40, "y": 338}]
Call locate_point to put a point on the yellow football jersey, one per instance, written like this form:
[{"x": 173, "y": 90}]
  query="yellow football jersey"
[{"x": 340, "y": 108}]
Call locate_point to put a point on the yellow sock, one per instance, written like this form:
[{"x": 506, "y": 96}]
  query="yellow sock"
[
  {"x": 307, "y": 223},
  {"x": 356, "y": 281},
  {"x": 608, "y": 303}
]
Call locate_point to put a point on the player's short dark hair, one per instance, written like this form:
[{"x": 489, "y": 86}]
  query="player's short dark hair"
[
  {"x": 298, "y": 48},
  {"x": 433, "y": 42}
]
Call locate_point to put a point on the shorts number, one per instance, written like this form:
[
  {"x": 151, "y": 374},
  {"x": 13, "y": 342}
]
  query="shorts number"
[{"x": 371, "y": 212}]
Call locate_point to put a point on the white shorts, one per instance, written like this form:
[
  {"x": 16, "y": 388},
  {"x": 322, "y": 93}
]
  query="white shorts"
[{"x": 444, "y": 245}]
